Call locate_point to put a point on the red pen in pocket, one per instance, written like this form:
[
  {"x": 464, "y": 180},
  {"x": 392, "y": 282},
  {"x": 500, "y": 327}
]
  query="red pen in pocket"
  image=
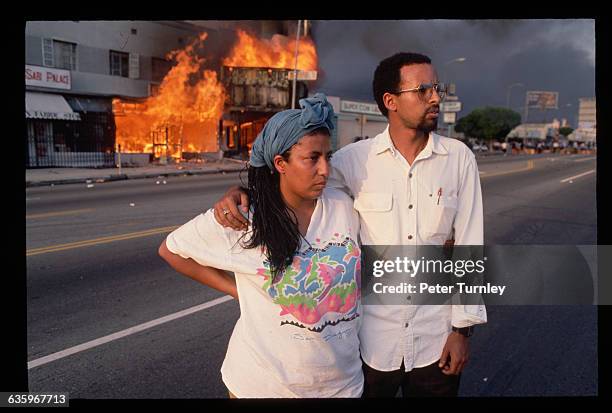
[{"x": 439, "y": 195}]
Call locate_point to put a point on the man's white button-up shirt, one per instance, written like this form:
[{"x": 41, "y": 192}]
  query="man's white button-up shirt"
[{"x": 435, "y": 199}]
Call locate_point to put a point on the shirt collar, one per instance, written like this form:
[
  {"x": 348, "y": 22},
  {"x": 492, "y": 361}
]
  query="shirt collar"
[{"x": 434, "y": 144}]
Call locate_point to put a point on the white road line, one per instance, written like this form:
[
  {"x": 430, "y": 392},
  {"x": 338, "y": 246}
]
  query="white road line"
[
  {"x": 577, "y": 176},
  {"x": 586, "y": 159},
  {"x": 124, "y": 333}
]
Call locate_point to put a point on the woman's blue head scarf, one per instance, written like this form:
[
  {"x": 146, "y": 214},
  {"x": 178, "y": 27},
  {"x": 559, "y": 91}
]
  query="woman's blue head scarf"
[{"x": 285, "y": 128}]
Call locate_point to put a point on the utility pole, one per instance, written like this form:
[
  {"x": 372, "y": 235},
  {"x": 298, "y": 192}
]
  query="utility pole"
[
  {"x": 119, "y": 157},
  {"x": 526, "y": 108},
  {"x": 295, "y": 69},
  {"x": 457, "y": 60}
]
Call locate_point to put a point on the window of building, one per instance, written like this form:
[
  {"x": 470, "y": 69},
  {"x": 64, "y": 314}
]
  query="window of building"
[
  {"x": 61, "y": 55},
  {"x": 119, "y": 64},
  {"x": 65, "y": 55}
]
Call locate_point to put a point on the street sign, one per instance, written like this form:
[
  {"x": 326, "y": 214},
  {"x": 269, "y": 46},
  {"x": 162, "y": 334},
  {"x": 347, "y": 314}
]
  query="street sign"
[
  {"x": 450, "y": 117},
  {"x": 450, "y": 106},
  {"x": 303, "y": 75},
  {"x": 450, "y": 98}
]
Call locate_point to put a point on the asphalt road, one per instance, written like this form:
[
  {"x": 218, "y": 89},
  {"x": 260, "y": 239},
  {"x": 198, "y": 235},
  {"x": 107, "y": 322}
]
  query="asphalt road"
[{"x": 93, "y": 271}]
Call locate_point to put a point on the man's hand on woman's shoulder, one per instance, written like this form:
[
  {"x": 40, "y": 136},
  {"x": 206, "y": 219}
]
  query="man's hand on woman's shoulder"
[{"x": 226, "y": 209}]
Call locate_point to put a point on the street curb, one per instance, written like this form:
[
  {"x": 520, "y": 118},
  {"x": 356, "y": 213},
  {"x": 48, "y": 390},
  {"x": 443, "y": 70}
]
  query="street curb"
[{"x": 117, "y": 177}]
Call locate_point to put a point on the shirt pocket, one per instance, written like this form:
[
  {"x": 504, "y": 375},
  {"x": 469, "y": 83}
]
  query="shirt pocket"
[
  {"x": 373, "y": 202},
  {"x": 376, "y": 217},
  {"x": 440, "y": 217}
]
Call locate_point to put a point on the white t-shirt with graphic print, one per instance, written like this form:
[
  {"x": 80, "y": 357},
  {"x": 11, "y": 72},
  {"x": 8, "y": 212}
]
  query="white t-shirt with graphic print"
[{"x": 298, "y": 337}]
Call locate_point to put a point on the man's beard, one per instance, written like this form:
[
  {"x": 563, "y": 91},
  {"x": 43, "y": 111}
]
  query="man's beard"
[{"x": 427, "y": 125}]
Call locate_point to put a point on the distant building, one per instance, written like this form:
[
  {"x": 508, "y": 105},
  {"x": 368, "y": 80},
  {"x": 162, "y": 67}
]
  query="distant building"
[
  {"x": 587, "y": 121},
  {"x": 536, "y": 131}
]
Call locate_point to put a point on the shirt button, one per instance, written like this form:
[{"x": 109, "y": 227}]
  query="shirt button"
[
  {"x": 406, "y": 325},
  {"x": 410, "y": 206},
  {"x": 409, "y": 236}
]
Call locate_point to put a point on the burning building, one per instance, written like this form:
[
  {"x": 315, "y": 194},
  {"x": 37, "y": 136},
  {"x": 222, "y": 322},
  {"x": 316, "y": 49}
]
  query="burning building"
[
  {"x": 154, "y": 90},
  {"x": 198, "y": 110}
]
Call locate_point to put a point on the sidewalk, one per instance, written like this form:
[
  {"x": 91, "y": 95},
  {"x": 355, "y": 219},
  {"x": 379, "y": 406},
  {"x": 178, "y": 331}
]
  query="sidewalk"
[{"x": 58, "y": 176}]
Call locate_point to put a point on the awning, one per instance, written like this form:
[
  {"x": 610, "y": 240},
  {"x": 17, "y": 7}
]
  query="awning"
[
  {"x": 90, "y": 104},
  {"x": 48, "y": 106}
]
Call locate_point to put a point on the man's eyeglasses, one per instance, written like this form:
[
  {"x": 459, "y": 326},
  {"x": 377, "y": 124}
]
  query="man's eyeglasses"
[{"x": 425, "y": 90}]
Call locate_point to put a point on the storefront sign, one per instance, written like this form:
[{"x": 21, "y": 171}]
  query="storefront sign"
[
  {"x": 359, "y": 107},
  {"x": 47, "y": 77}
]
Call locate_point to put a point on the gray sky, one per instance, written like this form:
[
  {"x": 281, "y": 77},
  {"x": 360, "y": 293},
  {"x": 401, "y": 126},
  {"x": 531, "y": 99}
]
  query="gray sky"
[{"x": 553, "y": 55}]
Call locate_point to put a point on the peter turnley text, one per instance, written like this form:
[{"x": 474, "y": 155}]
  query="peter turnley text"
[{"x": 425, "y": 288}]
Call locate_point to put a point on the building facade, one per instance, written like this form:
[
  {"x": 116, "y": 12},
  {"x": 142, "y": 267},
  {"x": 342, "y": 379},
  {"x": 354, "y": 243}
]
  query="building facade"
[
  {"x": 73, "y": 70},
  {"x": 587, "y": 121}
]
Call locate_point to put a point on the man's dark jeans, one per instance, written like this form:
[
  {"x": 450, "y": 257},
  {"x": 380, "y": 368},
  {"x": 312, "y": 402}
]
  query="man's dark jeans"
[{"x": 428, "y": 381}]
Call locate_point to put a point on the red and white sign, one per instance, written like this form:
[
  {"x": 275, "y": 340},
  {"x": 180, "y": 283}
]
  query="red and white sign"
[{"x": 47, "y": 77}]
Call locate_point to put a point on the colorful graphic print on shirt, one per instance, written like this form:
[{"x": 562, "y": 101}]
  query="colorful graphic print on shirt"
[{"x": 321, "y": 287}]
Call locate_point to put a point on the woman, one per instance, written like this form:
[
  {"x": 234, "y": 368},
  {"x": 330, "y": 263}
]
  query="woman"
[{"x": 297, "y": 269}]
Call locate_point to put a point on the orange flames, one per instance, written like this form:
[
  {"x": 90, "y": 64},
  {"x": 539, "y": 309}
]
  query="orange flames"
[
  {"x": 186, "y": 111},
  {"x": 277, "y": 53}
]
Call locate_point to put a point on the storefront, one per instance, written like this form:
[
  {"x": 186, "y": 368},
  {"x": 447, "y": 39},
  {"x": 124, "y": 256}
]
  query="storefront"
[
  {"x": 63, "y": 130},
  {"x": 47, "y": 115}
]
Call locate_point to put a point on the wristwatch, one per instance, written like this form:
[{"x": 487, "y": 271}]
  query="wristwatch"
[{"x": 465, "y": 331}]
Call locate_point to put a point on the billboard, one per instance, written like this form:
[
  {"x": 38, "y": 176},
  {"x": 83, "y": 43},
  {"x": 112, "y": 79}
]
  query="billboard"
[{"x": 542, "y": 100}]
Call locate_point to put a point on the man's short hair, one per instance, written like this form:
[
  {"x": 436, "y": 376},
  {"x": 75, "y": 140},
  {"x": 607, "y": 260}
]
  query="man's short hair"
[{"x": 387, "y": 75}]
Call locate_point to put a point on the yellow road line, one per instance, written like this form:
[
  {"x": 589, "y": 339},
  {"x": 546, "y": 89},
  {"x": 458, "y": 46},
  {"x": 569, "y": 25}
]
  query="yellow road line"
[
  {"x": 97, "y": 241},
  {"x": 57, "y": 214},
  {"x": 530, "y": 165}
]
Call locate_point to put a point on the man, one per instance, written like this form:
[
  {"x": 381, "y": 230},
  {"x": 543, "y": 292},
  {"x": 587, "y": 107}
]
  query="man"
[{"x": 411, "y": 187}]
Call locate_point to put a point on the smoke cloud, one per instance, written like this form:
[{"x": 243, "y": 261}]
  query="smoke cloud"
[{"x": 554, "y": 55}]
